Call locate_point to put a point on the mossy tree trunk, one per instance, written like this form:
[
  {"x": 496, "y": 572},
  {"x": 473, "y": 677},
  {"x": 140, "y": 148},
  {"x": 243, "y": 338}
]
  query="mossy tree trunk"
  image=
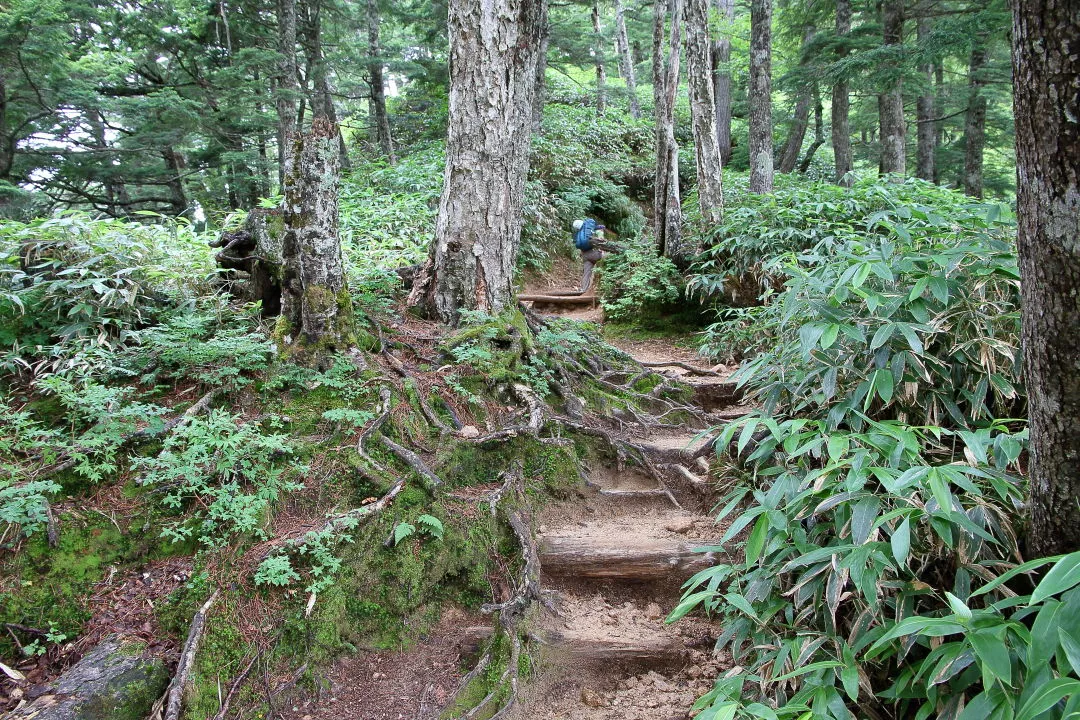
[
  {"x": 493, "y": 55},
  {"x": 315, "y": 304},
  {"x": 760, "y": 92},
  {"x": 1046, "y": 72},
  {"x": 725, "y": 11},
  {"x": 626, "y": 60}
]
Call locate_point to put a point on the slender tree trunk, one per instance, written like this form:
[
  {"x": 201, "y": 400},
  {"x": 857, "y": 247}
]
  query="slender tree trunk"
[
  {"x": 288, "y": 87},
  {"x": 975, "y": 122},
  {"x": 761, "y": 144},
  {"x": 1046, "y": 72},
  {"x": 841, "y": 129},
  {"x": 7, "y": 144},
  {"x": 939, "y": 105},
  {"x": 322, "y": 96},
  {"x": 598, "y": 56},
  {"x": 540, "y": 92},
  {"x": 703, "y": 114},
  {"x": 927, "y": 133},
  {"x": 493, "y": 49},
  {"x": 174, "y": 161},
  {"x": 667, "y": 201},
  {"x": 819, "y": 133},
  {"x": 316, "y": 310},
  {"x": 891, "y": 102},
  {"x": 626, "y": 62},
  {"x": 800, "y": 120},
  {"x": 378, "y": 89},
  {"x": 725, "y": 10}
]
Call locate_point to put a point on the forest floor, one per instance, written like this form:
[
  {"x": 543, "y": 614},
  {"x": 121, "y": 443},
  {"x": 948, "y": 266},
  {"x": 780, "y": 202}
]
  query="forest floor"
[{"x": 615, "y": 552}]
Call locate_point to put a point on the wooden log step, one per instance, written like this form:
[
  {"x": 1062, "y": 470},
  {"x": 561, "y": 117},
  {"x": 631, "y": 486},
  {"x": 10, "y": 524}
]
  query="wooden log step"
[
  {"x": 620, "y": 556},
  {"x": 575, "y": 300},
  {"x": 649, "y": 648}
]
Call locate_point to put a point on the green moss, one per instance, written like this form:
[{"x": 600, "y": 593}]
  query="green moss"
[
  {"x": 221, "y": 656},
  {"x": 130, "y": 695},
  {"x": 44, "y": 585}
]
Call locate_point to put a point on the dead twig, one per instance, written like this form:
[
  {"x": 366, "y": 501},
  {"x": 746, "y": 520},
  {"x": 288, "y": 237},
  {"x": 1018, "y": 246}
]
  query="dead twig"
[{"x": 175, "y": 694}]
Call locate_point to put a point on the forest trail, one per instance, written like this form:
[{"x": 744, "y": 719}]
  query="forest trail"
[
  {"x": 616, "y": 556},
  {"x": 613, "y": 558}
]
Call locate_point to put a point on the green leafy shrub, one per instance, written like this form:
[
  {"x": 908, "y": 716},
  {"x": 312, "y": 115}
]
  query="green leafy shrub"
[
  {"x": 70, "y": 281},
  {"x": 224, "y": 472},
  {"x": 633, "y": 276},
  {"x": 879, "y": 486}
]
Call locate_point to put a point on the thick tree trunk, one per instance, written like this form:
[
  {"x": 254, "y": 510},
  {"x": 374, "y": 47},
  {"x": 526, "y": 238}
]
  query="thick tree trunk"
[
  {"x": 703, "y": 114},
  {"x": 800, "y": 118},
  {"x": 725, "y": 10},
  {"x": 667, "y": 202},
  {"x": 626, "y": 62},
  {"x": 761, "y": 144},
  {"x": 378, "y": 89},
  {"x": 891, "y": 102},
  {"x": 1046, "y": 72},
  {"x": 316, "y": 310},
  {"x": 493, "y": 48},
  {"x": 927, "y": 132},
  {"x": 598, "y": 56},
  {"x": 288, "y": 87},
  {"x": 975, "y": 122},
  {"x": 841, "y": 128},
  {"x": 174, "y": 161},
  {"x": 540, "y": 91}
]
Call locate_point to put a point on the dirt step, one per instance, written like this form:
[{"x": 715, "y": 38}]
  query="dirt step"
[
  {"x": 677, "y": 447},
  {"x": 640, "y": 547}
]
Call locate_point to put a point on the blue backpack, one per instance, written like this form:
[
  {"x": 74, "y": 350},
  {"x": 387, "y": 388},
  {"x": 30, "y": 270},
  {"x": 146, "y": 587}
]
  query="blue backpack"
[{"x": 583, "y": 237}]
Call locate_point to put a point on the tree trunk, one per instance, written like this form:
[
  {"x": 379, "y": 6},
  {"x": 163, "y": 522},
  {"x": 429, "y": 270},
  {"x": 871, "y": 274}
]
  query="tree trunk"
[
  {"x": 493, "y": 48},
  {"x": 891, "y": 102},
  {"x": 725, "y": 10},
  {"x": 378, "y": 89},
  {"x": 540, "y": 91},
  {"x": 927, "y": 132},
  {"x": 800, "y": 120},
  {"x": 322, "y": 97},
  {"x": 316, "y": 310},
  {"x": 939, "y": 105},
  {"x": 703, "y": 114},
  {"x": 598, "y": 56},
  {"x": 841, "y": 129},
  {"x": 667, "y": 202},
  {"x": 288, "y": 87},
  {"x": 975, "y": 122},
  {"x": 761, "y": 144},
  {"x": 819, "y": 133},
  {"x": 1046, "y": 71},
  {"x": 626, "y": 62},
  {"x": 174, "y": 161}
]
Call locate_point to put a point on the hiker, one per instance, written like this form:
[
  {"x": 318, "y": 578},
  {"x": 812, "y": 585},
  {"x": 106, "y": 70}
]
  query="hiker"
[{"x": 588, "y": 238}]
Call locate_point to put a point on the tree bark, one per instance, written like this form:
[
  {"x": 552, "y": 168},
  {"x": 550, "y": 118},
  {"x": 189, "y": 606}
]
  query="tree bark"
[
  {"x": 540, "y": 91},
  {"x": 626, "y": 62},
  {"x": 800, "y": 123},
  {"x": 891, "y": 102},
  {"x": 493, "y": 49},
  {"x": 939, "y": 103},
  {"x": 703, "y": 115},
  {"x": 378, "y": 89},
  {"x": 288, "y": 87},
  {"x": 667, "y": 202},
  {"x": 975, "y": 122},
  {"x": 841, "y": 129},
  {"x": 315, "y": 305},
  {"x": 927, "y": 132},
  {"x": 1046, "y": 72},
  {"x": 725, "y": 10},
  {"x": 598, "y": 56},
  {"x": 819, "y": 134},
  {"x": 174, "y": 161},
  {"x": 761, "y": 144}
]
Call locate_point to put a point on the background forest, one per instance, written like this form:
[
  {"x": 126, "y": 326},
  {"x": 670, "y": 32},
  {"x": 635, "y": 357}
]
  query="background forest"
[{"x": 856, "y": 260}]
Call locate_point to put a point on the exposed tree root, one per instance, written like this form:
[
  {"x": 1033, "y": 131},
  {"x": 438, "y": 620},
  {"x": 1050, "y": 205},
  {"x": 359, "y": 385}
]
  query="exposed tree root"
[
  {"x": 685, "y": 366},
  {"x": 174, "y": 696},
  {"x": 412, "y": 460}
]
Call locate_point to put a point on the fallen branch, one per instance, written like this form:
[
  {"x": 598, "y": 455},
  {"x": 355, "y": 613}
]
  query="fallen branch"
[
  {"x": 175, "y": 695},
  {"x": 236, "y": 686}
]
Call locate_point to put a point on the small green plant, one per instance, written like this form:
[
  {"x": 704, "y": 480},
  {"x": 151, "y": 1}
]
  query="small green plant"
[
  {"x": 226, "y": 474},
  {"x": 634, "y": 277},
  {"x": 428, "y": 525}
]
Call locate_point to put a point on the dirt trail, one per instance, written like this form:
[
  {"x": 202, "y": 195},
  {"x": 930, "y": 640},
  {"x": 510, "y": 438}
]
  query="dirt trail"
[{"x": 617, "y": 557}]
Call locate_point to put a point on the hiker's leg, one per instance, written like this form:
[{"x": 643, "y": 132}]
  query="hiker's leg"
[{"x": 589, "y": 258}]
